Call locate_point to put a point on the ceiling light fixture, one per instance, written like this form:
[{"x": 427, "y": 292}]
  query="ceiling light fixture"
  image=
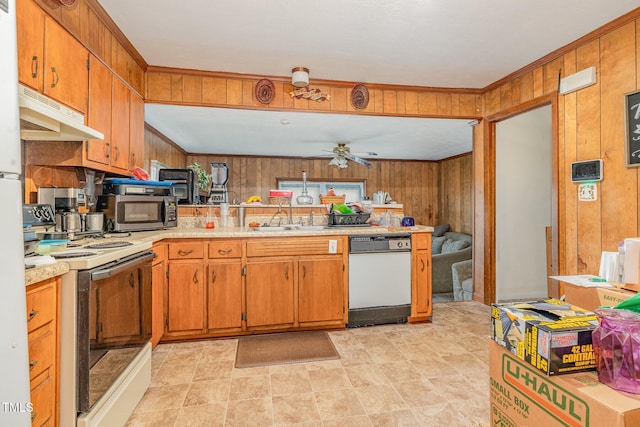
[{"x": 300, "y": 77}]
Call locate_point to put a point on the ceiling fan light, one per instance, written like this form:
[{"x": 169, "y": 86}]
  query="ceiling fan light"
[{"x": 300, "y": 77}]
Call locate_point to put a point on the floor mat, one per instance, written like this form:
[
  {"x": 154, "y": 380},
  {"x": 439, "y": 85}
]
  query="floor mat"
[{"x": 290, "y": 347}]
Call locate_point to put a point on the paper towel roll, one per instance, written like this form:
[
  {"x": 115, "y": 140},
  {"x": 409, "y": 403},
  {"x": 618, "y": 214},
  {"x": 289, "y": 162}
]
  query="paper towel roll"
[{"x": 609, "y": 266}]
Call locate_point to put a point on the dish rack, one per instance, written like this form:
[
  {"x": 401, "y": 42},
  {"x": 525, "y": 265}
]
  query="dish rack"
[{"x": 339, "y": 219}]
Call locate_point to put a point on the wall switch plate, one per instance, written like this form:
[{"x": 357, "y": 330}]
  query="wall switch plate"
[
  {"x": 587, "y": 192},
  {"x": 333, "y": 246}
]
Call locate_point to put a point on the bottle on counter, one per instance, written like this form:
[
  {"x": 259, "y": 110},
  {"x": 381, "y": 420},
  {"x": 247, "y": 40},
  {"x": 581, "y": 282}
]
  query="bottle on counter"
[{"x": 208, "y": 219}]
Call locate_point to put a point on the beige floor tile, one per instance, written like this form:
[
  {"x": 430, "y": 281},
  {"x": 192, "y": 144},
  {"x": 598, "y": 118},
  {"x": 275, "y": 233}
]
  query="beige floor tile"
[
  {"x": 163, "y": 398},
  {"x": 329, "y": 379},
  {"x": 380, "y": 398},
  {"x": 354, "y": 356},
  {"x": 455, "y": 387},
  {"x": 294, "y": 409},
  {"x": 400, "y": 371},
  {"x": 153, "y": 419},
  {"x": 213, "y": 371},
  {"x": 250, "y": 372},
  {"x": 385, "y": 354},
  {"x": 249, "y": 413},
  {"x": 180, "y": 356},
  {"x": 206, "y": 392},
  {"x": 338, "y": 404},
  {"x": 359, "y": 421},
  {"x": 174, "y": 374},
  {"x": 446, "y": 414},
  {"x": 366, "y": 375},
  {"x": 283, "y": 384},
  {"x": 419, "y": 393},
  {"x": 210, "y": 415},
  {"x": 404, "y": 418},
  {"x": 254, "y": 387}
]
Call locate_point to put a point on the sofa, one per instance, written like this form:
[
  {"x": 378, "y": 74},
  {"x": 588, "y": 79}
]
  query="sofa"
[
  {"x": 462, "y": 275},
  {"x": 447, "y": 249}
]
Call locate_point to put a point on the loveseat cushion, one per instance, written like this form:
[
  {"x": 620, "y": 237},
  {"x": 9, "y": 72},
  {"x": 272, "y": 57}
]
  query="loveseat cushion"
[
  {"x": 454, "y": 245},
  {"x": 439, "y": 230},
  {"x": 436, "y": 244}
]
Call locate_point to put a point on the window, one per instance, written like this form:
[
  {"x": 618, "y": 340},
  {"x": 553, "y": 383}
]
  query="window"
[{"x": 354, "y": 191}]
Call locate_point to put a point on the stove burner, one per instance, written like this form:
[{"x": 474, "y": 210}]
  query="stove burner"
[
  {"x": 74, "y": 254},
  {"x": 107, "y": 245}
]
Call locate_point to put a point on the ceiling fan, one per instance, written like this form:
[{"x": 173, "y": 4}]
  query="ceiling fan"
[{"x": 342, "y": 153}]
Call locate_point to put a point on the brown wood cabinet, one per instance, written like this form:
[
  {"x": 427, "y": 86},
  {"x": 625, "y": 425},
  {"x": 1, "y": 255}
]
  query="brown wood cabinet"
[
  {"x": 136, "y": 131},
  {"x": 120, "y": 126},
  {"x": 50, "y": 60},
  {"x": 321, "y": 296},
  {"x": 43, "y": 317},
  {"x": 421, "y": 296},
  {"x": 185, "y": 297},
  {"x": 270, "y": 292},
  {"x": 158, "y": 284},
  {"x": 224, "y": 286},
  {"x": 99, "y": 115}
]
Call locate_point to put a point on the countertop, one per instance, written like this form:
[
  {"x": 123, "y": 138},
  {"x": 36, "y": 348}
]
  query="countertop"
[{"x": 43, "y": 272}]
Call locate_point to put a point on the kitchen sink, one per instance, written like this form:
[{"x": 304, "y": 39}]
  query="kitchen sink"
[{"x": 290, "y": 227}]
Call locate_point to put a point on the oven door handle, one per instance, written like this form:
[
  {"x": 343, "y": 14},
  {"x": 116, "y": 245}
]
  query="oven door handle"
[{"x": 121, "y": 267}]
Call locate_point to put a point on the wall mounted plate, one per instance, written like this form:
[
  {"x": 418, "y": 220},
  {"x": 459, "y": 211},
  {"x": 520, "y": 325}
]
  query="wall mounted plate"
[
  {"x": 265, "y": 91},
  {"x": 360, "y": 96}
]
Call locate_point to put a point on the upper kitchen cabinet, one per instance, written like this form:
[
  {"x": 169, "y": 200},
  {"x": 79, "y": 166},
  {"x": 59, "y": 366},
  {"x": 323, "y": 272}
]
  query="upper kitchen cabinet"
[
  {"x": 120, "y": 126},
  {"x": 99, "y": 116},
  {"x": 50, "y": 60},
  {"x": 136, "y": 131}
]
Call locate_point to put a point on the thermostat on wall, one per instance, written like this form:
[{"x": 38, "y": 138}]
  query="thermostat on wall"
[{"x": 586, "y": 170}]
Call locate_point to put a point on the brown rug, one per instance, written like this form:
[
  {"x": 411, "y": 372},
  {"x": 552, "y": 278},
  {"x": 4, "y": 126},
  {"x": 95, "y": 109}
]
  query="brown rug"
[{"x": 283, "y": 348}]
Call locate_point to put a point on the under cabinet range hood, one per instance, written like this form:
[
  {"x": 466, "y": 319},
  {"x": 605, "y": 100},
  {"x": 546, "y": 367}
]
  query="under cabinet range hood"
[{"x": 43, "y": 119}]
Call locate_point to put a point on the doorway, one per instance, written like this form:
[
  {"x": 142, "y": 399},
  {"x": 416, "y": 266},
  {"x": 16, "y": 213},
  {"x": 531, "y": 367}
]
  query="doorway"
[{"x": 523, "y": 203}]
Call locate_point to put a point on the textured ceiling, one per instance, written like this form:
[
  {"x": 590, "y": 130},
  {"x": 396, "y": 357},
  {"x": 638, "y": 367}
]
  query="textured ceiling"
[{"x": 453, "y": 43}]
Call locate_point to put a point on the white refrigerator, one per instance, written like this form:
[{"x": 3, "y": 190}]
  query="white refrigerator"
[{"x": 15, "y": 406}]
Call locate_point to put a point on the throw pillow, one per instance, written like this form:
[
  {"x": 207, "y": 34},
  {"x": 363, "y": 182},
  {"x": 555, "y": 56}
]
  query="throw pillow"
[
  {"x": 454, "y": 245},
  {"x": 436, "y": 244},
  {"x": 439, "y": 230}
]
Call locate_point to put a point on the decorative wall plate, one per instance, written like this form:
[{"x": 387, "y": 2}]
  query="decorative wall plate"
[
  {"x": 265, "y": 91},
  {"x": 360, "y": 96}
]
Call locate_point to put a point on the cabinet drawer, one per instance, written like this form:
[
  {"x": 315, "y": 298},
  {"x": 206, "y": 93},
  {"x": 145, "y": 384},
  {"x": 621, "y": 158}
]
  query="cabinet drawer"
[
  {"x": 43, "y": 400},
  {"x": 225, "y": 249},
  {"x": 186, "y": 250},
  {"x": 42, "y": 351},
  {"x": 161, "y": 252},
  {"x": 294, "y": 246},
  {"x": 41, "y": 305},
  {"x": 421, "y": 240}
]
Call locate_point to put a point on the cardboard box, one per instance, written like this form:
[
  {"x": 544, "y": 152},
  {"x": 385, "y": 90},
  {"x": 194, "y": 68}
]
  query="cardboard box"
[
  {"x": 591, "y": 298},
  {"x": 509, "y": 320},
  {"x": 523, "y": 396},
  {"x": 562, "y": 346}
]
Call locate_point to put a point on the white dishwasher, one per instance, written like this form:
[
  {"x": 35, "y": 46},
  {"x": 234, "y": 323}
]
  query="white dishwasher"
[{"x": 379, "y": 279}]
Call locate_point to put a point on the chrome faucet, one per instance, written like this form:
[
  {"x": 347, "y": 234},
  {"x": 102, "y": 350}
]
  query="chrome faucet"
[{"x": 311, "y": 218}]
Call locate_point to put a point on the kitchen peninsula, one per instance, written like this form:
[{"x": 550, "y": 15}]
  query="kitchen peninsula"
[{"x": 237, "y": 281}]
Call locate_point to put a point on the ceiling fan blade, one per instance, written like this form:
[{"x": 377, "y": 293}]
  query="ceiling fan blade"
[
  {"x": 365, "y": 154},
  {"x": 358, "y": 160}
]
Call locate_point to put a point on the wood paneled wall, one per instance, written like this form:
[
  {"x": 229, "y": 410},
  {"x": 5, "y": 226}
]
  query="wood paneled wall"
[
  {"x": 590, "y": 125},
  {"x": 455, "y": 192},
  {"x": 158, "y": 147},
  {"x": 189, "y": 87}
]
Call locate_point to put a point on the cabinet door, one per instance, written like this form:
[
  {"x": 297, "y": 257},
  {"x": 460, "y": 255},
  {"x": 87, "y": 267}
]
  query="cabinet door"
[
  {"x": 320, "y": 289},
  {"x": 158, "y": 275},
  {"x": 66, "y": 76},
  {"x": 269, "y": 288},
  {"x": 99, "y": 116},
  {"x": 421, "y": 295},
  {"x": 30, "y": 31},
  {"x": 120, "y": 125},
  {"x": 136, "y": 130},
  {"x": 185, "y": 297},
  {"x": 224, "y": 298}
]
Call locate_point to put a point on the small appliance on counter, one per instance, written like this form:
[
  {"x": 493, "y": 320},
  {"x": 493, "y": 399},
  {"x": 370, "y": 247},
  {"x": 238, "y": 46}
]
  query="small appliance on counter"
[
  {"x": 133, "y": 205},
  {"x": 65, "y": 202},
  {"x": 219, "y": 178},
  {"x": 184, "y": 184}
]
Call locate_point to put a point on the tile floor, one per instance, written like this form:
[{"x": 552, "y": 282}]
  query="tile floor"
[{"x": 433, "y": 374}]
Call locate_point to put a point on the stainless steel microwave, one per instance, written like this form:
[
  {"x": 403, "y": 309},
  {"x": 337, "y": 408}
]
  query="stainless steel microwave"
[{"x": 138, "y": 213}]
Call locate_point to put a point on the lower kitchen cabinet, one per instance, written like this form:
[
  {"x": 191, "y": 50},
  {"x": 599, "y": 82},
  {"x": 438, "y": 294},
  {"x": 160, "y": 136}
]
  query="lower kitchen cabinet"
[
  {"x": 224, "y": 295},
  {"x": 321, "y": 289},
  {"x": 270, "y": 292},
  {"x": 43, "y": 317},
  {"x": 185, "y": 298},
  {"x": 421, "y": 296},
  {"x": 158, "y": 283}
]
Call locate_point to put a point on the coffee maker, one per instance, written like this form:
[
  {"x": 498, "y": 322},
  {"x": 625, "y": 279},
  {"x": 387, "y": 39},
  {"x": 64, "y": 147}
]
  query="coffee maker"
[
  {"x": 219, "y": 178},
  {"x": 65, "y": 203}
]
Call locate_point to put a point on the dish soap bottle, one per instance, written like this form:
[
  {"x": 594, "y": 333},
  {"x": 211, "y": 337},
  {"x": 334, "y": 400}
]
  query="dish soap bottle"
[{"x": 304, "y": 198}]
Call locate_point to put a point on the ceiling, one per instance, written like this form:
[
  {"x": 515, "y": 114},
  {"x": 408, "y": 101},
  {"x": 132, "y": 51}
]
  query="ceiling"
[{"x": 454, "y": 43}]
